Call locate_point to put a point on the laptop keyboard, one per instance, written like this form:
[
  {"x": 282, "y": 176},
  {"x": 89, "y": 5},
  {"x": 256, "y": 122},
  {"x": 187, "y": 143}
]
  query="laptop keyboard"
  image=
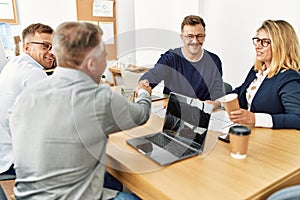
[{"x": 170, "y": 145}]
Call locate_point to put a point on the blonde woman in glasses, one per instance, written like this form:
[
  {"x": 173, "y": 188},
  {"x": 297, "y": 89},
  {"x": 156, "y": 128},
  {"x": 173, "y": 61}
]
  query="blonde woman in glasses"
[{"x": 270, "y": 94}]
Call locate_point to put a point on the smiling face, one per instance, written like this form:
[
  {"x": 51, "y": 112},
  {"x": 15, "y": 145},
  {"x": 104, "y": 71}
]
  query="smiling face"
[
  {"x": 193, "y": 38},
  {"x": 263, "y": 54},
  {"x": 37, "y": 51}
]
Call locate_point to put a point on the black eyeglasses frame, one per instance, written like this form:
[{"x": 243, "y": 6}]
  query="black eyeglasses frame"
[
  {"x": 190, "y": 37},
  {"x": 264, "y": 41},
  {"x": 46, "y": 46}
]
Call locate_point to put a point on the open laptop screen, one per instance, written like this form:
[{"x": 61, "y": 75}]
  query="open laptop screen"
[{"x": 187, "y": 120}]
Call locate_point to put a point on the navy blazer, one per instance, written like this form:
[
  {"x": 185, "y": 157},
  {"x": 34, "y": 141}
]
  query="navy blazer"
[{"x": 278, "y": 96}]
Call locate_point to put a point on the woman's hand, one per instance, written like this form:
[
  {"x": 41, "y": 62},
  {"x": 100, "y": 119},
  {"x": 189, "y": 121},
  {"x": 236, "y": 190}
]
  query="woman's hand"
[{"x": 242, "y": 116}]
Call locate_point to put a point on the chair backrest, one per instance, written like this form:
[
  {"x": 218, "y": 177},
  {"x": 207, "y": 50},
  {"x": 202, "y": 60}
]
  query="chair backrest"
[
  {"x": 17, "y": 41},
  {"x": 227, "y": 88},
  {"x": 288, "y": 193}
]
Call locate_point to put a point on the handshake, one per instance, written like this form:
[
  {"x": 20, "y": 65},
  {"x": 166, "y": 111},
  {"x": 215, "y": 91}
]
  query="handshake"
[{"x": 143, "y": 84}]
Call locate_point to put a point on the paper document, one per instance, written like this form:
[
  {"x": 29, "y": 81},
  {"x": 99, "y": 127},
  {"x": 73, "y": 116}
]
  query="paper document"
[
  {"x": 108, "y": 32},
  {"x": 103, "y": 8},
  {"x": 159, "y": 111},
  {"x": 220, "y": 122}
]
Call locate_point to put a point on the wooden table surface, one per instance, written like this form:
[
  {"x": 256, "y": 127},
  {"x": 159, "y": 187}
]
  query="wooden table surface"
[
  {"x": 8, "y": 188},
  {"x": 273, "y": 162}
]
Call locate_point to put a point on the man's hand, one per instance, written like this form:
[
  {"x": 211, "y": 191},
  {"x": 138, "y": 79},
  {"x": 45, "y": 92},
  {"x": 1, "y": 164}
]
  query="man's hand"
[{"x": 143, "y": 84}]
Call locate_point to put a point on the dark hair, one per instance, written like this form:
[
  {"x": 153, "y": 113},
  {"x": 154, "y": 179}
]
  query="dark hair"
[
  {"x": 192, "y": 20},
  {"x": 36, "y": 28}
]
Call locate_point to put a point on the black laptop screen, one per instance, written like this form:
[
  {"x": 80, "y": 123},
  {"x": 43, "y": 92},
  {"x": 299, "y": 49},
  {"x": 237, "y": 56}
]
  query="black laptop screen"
[{"x": 187, "y": 119}]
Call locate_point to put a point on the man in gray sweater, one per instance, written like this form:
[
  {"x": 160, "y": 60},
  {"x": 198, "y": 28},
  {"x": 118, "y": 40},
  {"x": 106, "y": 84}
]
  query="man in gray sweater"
[{"x": 60, "y": 125}]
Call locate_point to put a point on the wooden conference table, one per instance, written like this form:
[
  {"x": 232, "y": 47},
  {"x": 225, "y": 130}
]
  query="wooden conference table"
[{"x": 273, "y": 162}]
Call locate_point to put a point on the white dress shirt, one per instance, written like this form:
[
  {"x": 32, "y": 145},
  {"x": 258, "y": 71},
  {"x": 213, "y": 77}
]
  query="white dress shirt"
[
  {"x": 18, "y": 73},
  {"x": 261, "y": 119}
]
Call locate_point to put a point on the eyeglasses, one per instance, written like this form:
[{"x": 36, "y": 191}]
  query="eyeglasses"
[
  {"x": 264, "y": 42},
  {"x": 46, "y": 46},
  {"x": 190, "y": 37}
]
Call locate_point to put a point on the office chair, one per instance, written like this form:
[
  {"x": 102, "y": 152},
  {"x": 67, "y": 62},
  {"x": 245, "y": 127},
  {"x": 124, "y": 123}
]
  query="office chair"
[
  {"x": 17, "y": 41},
  {"x": 227, "y": 88},
  {"x": 288, "y": 193}
]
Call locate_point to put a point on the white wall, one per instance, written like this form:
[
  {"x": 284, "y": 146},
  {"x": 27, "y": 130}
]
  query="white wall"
[
  {"x": 232, "y": 23},
  {"x": 148, "y": 28},
  {"x": 125, "y": 25},
  {"x": 157, "y": 26},
  {"x": 51, "y": 13}
]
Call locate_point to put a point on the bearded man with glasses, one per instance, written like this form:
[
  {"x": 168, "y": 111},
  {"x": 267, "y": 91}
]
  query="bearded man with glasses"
[
  {"x": 190, "y": 70},
  {"x": 19, "y": 73}
]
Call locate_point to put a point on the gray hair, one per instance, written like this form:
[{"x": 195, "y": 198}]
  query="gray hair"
[{"x": 73, "y": 41}]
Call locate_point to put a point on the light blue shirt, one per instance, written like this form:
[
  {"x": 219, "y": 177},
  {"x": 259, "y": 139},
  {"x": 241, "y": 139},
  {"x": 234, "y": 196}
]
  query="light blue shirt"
[{"x": 17, "y": 74}]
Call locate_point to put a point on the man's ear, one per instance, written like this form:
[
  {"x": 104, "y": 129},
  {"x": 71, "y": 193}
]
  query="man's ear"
[
  {"x": 26, "y": 47},
  {"x": 181, "y": 37},
  {"x": 90, "y": 64}
]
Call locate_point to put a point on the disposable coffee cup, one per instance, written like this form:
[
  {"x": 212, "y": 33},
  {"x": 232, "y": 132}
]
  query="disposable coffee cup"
[
  {"x": 239, "y": 139},
  {"x": 231, "y": 102}
]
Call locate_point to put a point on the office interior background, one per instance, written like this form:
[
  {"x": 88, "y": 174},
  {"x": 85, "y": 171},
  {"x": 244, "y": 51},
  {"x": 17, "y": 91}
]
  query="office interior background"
[{"x": 147, "y": 28}]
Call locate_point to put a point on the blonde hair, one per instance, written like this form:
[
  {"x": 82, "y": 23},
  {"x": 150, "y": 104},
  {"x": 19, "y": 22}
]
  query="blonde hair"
[{"x": 284, "y": 45}]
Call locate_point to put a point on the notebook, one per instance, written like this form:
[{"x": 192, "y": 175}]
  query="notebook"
[
  {"x": 183, "y": 133},
  {"x": 131, "y": 79}
]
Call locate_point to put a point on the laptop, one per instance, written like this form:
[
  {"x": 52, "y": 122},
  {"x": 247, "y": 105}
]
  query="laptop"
[
  {"x": 183, "y": 133},
  {"x": 131, "y": 79}
]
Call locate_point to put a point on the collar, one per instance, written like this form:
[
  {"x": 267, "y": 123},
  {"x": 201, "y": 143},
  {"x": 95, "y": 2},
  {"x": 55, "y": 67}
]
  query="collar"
[
  {"x": 27, "y": 56},
  {"x": 264, "y": 73},
  {"x": 192, "y": 60},
  {"x": 71, "y": 73}
]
